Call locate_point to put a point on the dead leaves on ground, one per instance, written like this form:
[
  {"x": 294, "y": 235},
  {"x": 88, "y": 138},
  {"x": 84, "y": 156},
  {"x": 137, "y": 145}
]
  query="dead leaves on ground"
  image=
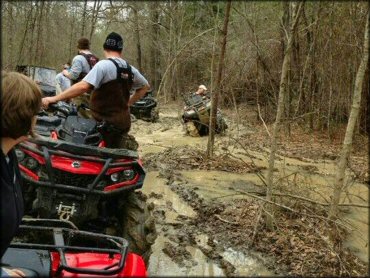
[{"x": 185, "y": 158}]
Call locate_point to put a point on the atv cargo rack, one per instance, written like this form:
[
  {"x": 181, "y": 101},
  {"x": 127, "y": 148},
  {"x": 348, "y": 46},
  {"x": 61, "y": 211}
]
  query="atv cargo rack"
[
  {"x": 44, "y": 149},
  {"x": 62, "y": 238}
]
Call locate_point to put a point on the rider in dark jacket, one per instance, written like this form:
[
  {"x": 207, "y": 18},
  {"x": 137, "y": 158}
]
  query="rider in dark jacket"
[
  {"x": 11, "y": 199},
  {"x": 20, "y": 103}
]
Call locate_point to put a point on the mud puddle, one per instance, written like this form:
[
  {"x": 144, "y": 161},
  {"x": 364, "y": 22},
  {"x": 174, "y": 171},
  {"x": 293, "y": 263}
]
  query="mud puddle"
[
  {"x": 167, "y": 132},
  {"x": 169, "y": 210},
  {"x": 180, "y": 248}
]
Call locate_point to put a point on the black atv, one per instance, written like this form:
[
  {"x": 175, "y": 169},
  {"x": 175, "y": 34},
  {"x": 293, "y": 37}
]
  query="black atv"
[
  {"x": 145, "y": 108},
  {"x": 197, "y": 113},
  {"x": 43, "y": 76},
  {"x": 69, "y": 174}
]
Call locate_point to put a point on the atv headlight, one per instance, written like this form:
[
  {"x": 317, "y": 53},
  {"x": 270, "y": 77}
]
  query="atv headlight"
[
  {"x": 114, "y": 177},
  {"x": 31, "y": 163},
  {"x": 128, "y": 174},
  {"x": 20, "y": 155}
]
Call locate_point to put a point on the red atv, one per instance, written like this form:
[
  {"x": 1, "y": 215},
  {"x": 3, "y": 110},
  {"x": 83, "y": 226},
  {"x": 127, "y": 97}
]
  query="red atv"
[
  {"x": 55, "y": 248},
  {"x": 70, "y": 175}
]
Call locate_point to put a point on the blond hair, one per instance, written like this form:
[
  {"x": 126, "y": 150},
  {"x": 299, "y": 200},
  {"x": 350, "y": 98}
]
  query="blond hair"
[{"x": 20, "y": 102}]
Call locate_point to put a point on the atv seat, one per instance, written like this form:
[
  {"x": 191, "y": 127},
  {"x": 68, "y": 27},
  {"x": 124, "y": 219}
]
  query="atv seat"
[
  {"x": 34, "y": 263},
  {"x": 80, "y": 131},
  {"x": 46, "y": 124}
]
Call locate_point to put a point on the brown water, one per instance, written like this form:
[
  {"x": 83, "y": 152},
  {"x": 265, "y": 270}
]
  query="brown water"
[{"x": 160, "y": 264}]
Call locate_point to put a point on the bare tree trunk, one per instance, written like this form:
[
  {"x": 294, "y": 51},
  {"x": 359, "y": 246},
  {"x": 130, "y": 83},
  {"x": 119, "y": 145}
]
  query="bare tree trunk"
[
  {"x": 94, "y": 17},
  {"x": 44, "y": 31},
  {"x": 29, "y": 18},
  {"x": 10, "y": 32},
  {"x": 83, "y": 19},
  {"x": 39, "y": 34},
  {"x": 279, "y": 113},
  {"x": 313, "y": 86},
  {"x": 32, "y": 48},
  {"x": 72, "y": 32},
  {"x": 347, "y": 144},
  {"x": 215, "y": 93},
  {"x": 331, "y": 73},
  {"x": 137, "y": 35},
  {"x": 154, "y": 56}
]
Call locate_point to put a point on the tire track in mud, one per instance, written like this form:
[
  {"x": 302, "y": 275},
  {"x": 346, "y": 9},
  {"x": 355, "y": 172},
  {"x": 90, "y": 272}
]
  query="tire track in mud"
[{"x": 197, "y": 232}]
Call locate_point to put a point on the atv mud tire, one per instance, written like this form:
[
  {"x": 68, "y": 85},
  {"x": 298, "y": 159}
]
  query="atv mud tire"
[
  {"x": 221, "y": 126},
  {"x": 139, "y": 225},
  {"x": 191, "y": 129},
  {"x": 154, "y": 115}
]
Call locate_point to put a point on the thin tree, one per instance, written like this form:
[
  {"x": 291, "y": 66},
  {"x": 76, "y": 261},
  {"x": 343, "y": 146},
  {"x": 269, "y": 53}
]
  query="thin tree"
[
  {"x": 279, "y": 113},
  {"x": 347, "y": 143},
  {"x": 84, "y": 19},
  {"x": 215, "y": 93},
  {"x": 94, "y": 17},
  {"x": 137, "y": 36}
]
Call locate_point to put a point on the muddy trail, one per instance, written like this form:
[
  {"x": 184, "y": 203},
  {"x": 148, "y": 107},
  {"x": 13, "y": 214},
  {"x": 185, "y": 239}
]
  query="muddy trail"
[{"x": 209, "y": 212}]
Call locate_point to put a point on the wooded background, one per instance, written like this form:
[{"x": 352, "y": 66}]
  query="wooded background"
[{"x": 176, "y": 45}]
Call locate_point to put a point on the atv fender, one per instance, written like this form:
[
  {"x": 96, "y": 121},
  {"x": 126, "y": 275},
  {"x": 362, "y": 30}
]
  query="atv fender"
[{"x": 134, "y": 266}]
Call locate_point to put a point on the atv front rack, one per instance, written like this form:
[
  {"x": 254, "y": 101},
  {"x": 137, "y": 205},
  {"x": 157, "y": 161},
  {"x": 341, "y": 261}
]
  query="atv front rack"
[
  {"x": 62, "y": 238},
  {"x": 46, "y": 148}
]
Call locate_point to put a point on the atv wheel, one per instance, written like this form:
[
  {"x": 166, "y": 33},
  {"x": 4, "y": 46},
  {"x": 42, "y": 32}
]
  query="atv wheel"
[
  {"x": 191, "y": 129},
  {"x": 154, "y": 115},
  {"x": 221, "y": 125},
  {"x": 138, "y": 225}
]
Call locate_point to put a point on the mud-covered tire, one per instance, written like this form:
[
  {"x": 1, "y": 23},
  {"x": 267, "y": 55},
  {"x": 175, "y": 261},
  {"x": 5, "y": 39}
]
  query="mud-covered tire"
[
  {"x": 154, "y": 115},
  {"x": 221, "y": 125},
  {"x": 138, "y": 225},
  {"x": 191, "y": 129}
]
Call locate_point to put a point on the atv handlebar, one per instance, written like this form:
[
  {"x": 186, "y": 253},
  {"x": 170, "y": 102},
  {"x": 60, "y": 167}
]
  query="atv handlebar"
[{"x": 63, "y": 107}]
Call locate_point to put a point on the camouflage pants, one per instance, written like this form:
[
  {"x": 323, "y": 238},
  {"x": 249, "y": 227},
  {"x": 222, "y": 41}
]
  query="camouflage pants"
[{"x": 83, "y": 100}]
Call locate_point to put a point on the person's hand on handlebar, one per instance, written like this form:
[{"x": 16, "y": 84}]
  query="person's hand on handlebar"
[
  {"x": 12, "y": 272},
  {"x": 46, "y": 101}
]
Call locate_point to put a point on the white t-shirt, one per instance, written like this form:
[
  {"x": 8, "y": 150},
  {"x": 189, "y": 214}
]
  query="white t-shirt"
[
  {"x": 105, "y": 71},
  {"x": 79, "y": 64}
]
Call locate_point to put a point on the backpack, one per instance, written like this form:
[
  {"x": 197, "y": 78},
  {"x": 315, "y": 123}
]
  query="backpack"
[{"x": 91, "y": 59}]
